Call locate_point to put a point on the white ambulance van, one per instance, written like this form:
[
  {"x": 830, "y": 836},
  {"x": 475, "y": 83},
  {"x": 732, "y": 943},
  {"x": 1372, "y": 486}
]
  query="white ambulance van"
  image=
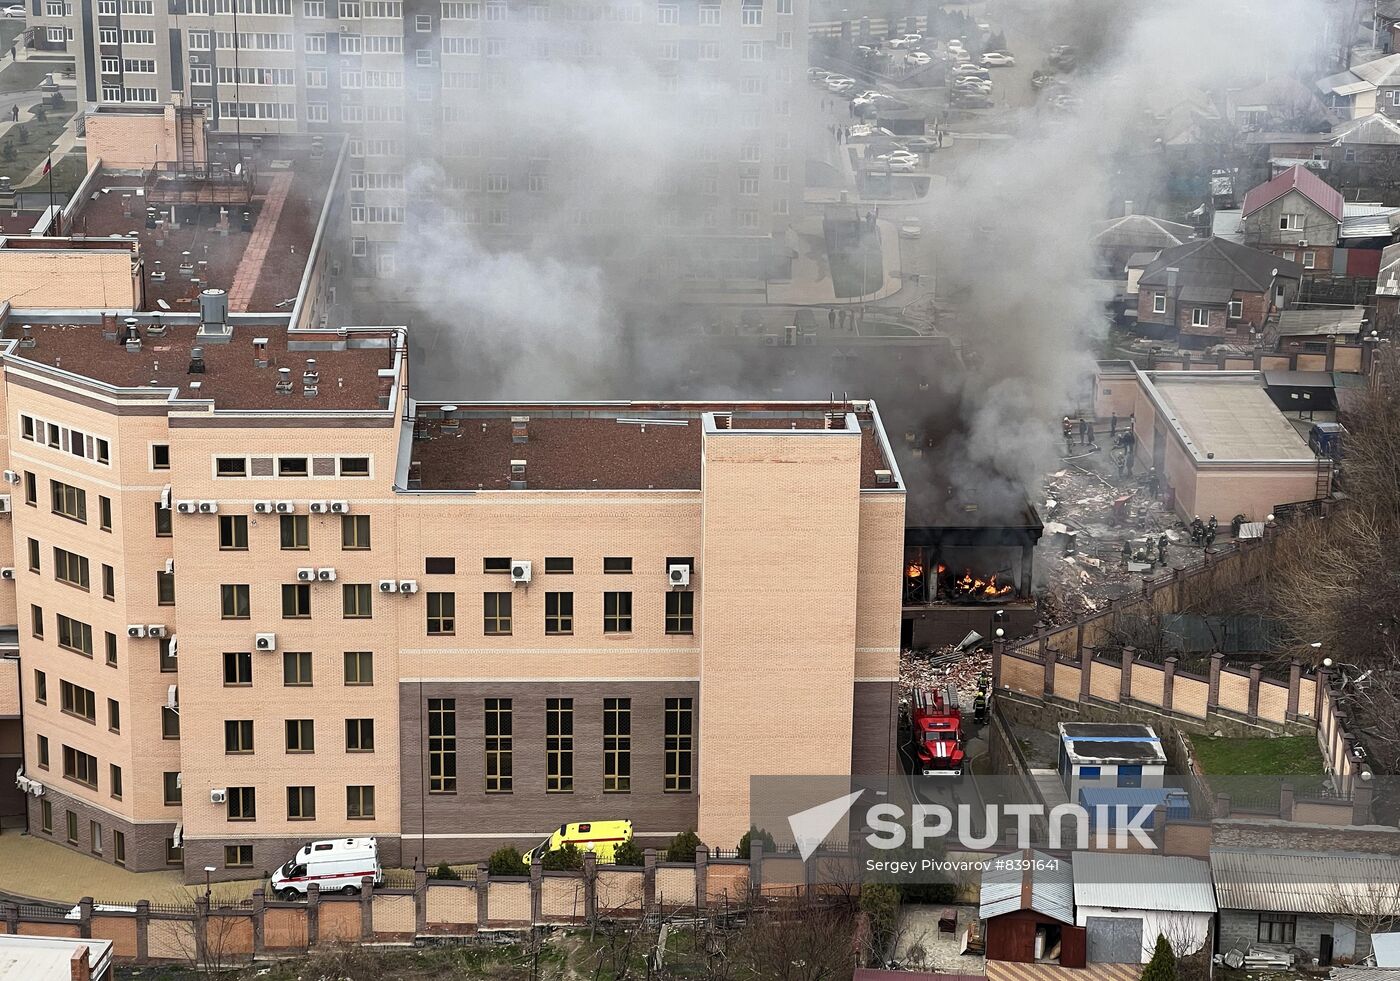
[{"x": 335, "y": 865}]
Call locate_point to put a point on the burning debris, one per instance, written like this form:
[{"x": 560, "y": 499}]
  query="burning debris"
[{"x": 947, "y": 666}]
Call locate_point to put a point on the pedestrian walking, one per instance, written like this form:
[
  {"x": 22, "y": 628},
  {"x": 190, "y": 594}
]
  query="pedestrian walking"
[
  {"x": 1069, "y": 440},
  {"x": 1113, "y": 425},
  {"x": 831, "y": 319},
  {"x": 1083, "y": 431}
]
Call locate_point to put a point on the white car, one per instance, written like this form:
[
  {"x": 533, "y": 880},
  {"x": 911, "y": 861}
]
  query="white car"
[
  {"x": 997, "y": 59},
  {"x": 919, "y": 58},
  {"x": 976, "y": 71},
  {"x": 899, "y": 157},
  {"x": 910, "y": 228},
  {"x": 906, "y": 41},
  {"x": 15, "y": 10},
  {"x": 956, "y": 47},
  {"x": 840, "y": 83},
  {"x": 973, "y": 85},
  {"x": 818, "y": 75}
]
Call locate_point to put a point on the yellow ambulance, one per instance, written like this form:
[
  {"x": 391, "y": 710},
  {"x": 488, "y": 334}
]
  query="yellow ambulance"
[{"x": 602, "y": 838}]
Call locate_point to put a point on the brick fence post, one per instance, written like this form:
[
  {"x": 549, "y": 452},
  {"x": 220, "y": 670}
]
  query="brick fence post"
[
  {"x": 1213, "y": 696},
  {"x": 313, "y": 914},
  {"x": 1047, "y": 687},
  {"x": 996, "y": 662},
  {"x": 11, "y": 911},
  {"x": 648, "y": 880},
  {"x": 1086, "y": 671},
  {"x": 755, "y": 867},
  {"x": 1256, "y": 672},
  {"x": 702, "y": 873},
  {"x": 1361, "y": 802},
  {"x": 1168, "y": 684},
  {"x": 259, "y": 919},
  {"x": 420, "y": 898},
  {"x": 1324, "y": 679},
  {"x": 366, "y": 909},
  {"x": 85, "y": 918},
  {"x": 1125, "y": 681},
  {"x": 1285, "y": 802},
  {"x": 143, "y": 931},
  {"x": 1295, "y": 681},
  {"x": 590, "y": 887},
  {"x": 483, "y": 888},
  {"x": 537, "y": 892},
  {"x": 201, "y": 930}
]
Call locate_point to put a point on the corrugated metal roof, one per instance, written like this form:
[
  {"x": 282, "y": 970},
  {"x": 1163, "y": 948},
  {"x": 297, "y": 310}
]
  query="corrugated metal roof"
[
  {"x": 1300, "y": 882},
  {"x": 1051, "y": 885},
  {"x": 1151, "y": 882},
  {"x": 1345, "y": 320},
  {"x": 1299, "y": 179}
]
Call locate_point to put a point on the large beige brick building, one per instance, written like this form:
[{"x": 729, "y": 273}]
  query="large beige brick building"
[{"x": 263, "y": 596}]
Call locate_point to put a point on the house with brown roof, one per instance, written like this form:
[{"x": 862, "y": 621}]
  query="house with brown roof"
[
  {"x": 1212, "y": 291},
  {"x": 1297, "y": 216}
]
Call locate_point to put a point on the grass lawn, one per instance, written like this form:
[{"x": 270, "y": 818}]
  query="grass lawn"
[
  {"x": 30, "y": 154},
  {"x": 68, "y": 173},
  {"x": 24, "y": 75},
  {"x": 846, "y": 278},
  {"x": 10, "y": 28},
  {"x": 1281, "y": 756}
]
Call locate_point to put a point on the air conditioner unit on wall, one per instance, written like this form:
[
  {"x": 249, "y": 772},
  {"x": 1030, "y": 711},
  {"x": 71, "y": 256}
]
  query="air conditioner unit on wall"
[
  {"x": 187, "y": 507},
  {"x": 11, "y": 477},
  {"x": 326, "y": 575},
  {"x": 156, "y": 630},
  {"x": 265, "y": 642},
  {"x": 208, "y": 507},
  {"x": 319, "y": 507},
  {"x": 218, "y": 795},
  {"x": 285, "y": 507},
  {"x": 340, "y": 507},
  {"x": 388, "y": 586},
  {"x": 8, "y": 572},
  {"x": 520, "y": 570},
  {"x": 678, "y": 575},
  {"x": 262, "y": 507},
  {"x": 306, "y": 575},
  {"x": 408, "y": 586},
  {"x": 136, "y": 630}
]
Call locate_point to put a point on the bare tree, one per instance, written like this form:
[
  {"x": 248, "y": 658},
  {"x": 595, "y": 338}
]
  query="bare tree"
[{"x": 1373, "y": 905}]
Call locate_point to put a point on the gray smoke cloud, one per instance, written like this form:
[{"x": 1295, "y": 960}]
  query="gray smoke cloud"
[{"x": 565, "y": 317}]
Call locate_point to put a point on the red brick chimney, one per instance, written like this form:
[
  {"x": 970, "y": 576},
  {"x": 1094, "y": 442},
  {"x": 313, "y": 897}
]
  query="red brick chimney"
[{"x": 78, "y": 969}]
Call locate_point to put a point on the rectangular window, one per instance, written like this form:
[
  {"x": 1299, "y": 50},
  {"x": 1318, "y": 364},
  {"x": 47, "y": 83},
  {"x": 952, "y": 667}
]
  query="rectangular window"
[
  {"x": 294, "y": 466},
  {"x": 1200, "y": 317},
  {"x": 41, "y": 687},
  {"x": 1089, "y": 772},
  {"x": 442, "y": 745},
  {"x": 1159, "y": 303},
  {"x": 109, "y": 582},
  {"x": 495, "y": 565},
  {"x": 238, "y": 668},
  {"x": 559, "y": 566},
  {"x": 238, "y": 856},
  {"x": 678, "y": 744},
  {"x": 114, "y": 777},
  {"x": 169, "y": 723},
  {"x": 357, "y": 601},
  {"x": 752, "y": 16},
  {"x": 74, "y": 635},
  {"x": 69, "y": 501},
  {"x": 668, "y": 14},
  {"x": 301, "y": 735},
  {"x": 296, "y": 532},
  {"x": 500, "y": 767},
  {"x": 558, "y": 613},
  {"x": 77, "y": 701},
  {"x": 354, "y": 531},
  {"x": 296, "y": 600},
  {"x": 231, "y": 466},
  {"x": 617, "y": 613},
  {"x": 165, "y": 588},
  {"x": 442, "y": 613},
  {"x": 34, "y": 555},
  {"x": 70, "y": 568},
  {"x": 71, "y": 831},
  {"x": 617, "y": 566},
  {"x": 114, "y": 715},
  {"x": 163, "y": 527},
  {"x": 233, "y": 600},
  {"x": 233, "y": 532},
  {"x": 173, "y": 793},
  {"x": 496, "y": 613},
  {"x": 36, "y": 620},
  {"x": 680, "y": 612},
  {"x": 1278, "y": 928},
  {"x": 1236, "y": 309},
  {"x": 559, "y": 745},
  {"x": 439, "y": 566},
  {"x": 160, "y": 453},
  {"x": 617, "y": 745},
  {"x": 80, "y": 766},
  {"x": 1309, "y": 260},
  {"x": 41, "y": 751},
  {"x": 119, "y": 847},
  {"x": 31, "y": 491},
  {"x": 111, "y": 648},
  {"x": 238, "y": 736},
  {"x": 359, "y": 803},
  {"x": 46, "y": 816},
  {"x": 242, "y": 804},
  {"x": 104, "y": 510},
  {"x": 174, "y": 854},
  {"x": 359, "y": 668},
  {"x": 354, "y": 466},
  {"x": 359, "y": 735},
  {"x": 1290, "y": 222},
  {"x": 168, "y": 660},
  {"x": 95, "y": 837},
  {"x": 296, "y": 669}
]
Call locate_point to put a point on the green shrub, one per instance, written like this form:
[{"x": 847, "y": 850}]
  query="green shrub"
[
  {"x": 756, "y": 834},
  {"x": 563, "y": 859},
  {"x": 444, "y": 871},
  {"x": 880, "y": 902},
  {"x": 682, "y": 847},
  {"x": 1162, "y": 967},
  {"x": 629, "y": 853},
  {"x": 8, "y": 152},
  {"x": 506, "y": 861}
]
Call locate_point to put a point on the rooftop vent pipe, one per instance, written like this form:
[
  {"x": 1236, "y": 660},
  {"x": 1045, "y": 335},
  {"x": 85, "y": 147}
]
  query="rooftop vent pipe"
[
  {"x": 196, "y": 361},
  {"x": 520, "y": 429},
  {"x": 284, "y": 381}
]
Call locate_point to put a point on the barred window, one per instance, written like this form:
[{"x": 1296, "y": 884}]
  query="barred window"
[
  {"x": 617, "y": 745},
  {"x": 679, "y": 744},
  {"x": 442, "y": 745},
  {"x": 499, "y": 746},
  {"x": 559, "y": 745}
]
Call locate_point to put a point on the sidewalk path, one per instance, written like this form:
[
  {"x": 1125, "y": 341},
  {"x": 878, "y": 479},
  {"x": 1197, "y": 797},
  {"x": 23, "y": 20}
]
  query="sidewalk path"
[{"x": 36, "y": 868}]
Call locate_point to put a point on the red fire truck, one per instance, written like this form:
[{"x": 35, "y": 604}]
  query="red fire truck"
[{"x": 938, "y": 735}]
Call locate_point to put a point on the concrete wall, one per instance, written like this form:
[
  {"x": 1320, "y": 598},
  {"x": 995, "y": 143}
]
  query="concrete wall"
[
  {"x": 1192, "y": 928},
  {"x": 1240, "y": 928}
]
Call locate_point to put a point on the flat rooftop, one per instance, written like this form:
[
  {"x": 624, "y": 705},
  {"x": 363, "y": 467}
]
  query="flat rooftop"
[
  {"x": 49, "y": 958},
  {"x": 195, "y": 246},
  {"x": 637, "y": 446},
  {"x": 1226, "y": 416},
  {"x": 349, "y": 366}
]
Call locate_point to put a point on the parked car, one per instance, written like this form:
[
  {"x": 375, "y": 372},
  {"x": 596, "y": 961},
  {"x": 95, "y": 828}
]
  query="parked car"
[
  {"x": 918, "y": 144},
  {"x": 335, "y": 865},
  {"x": 910, "y": 228},
  {"x": 819, "y": 75},
  {"x": 840, "y": 83},
  {"x": 977, "y": 71},
  {"x": 956, "y": 47},
  {"x": 919, "y": 58},
  {"x": 900, "y": 165},
  {"x": 982, "y": 84},
  {"x": 984, "y": 27},
  {"x": 14, "y": 10},
  {"x": 1040, "y": 79},
  {"x": 997, "y": 59},
  {"x": 906, "y": 41},
  {"x": 602, "y": 838}
]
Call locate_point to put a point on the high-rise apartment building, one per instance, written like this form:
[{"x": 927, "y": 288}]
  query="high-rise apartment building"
[
  {"x": 263, "y": 596},
  {"x": 665, "y": 125}
]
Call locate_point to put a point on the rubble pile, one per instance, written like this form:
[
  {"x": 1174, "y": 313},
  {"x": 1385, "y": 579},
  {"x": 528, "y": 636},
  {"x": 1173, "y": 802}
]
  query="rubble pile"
[{"x": 941, "y": 668}]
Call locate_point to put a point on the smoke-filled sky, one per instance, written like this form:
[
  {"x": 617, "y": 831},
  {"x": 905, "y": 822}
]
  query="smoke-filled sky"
[{"x": 550, "y": 321}]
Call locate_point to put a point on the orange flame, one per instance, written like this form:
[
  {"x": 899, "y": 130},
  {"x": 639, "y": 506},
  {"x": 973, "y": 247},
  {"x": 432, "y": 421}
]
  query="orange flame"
[{"x": 914, "y": 571}]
